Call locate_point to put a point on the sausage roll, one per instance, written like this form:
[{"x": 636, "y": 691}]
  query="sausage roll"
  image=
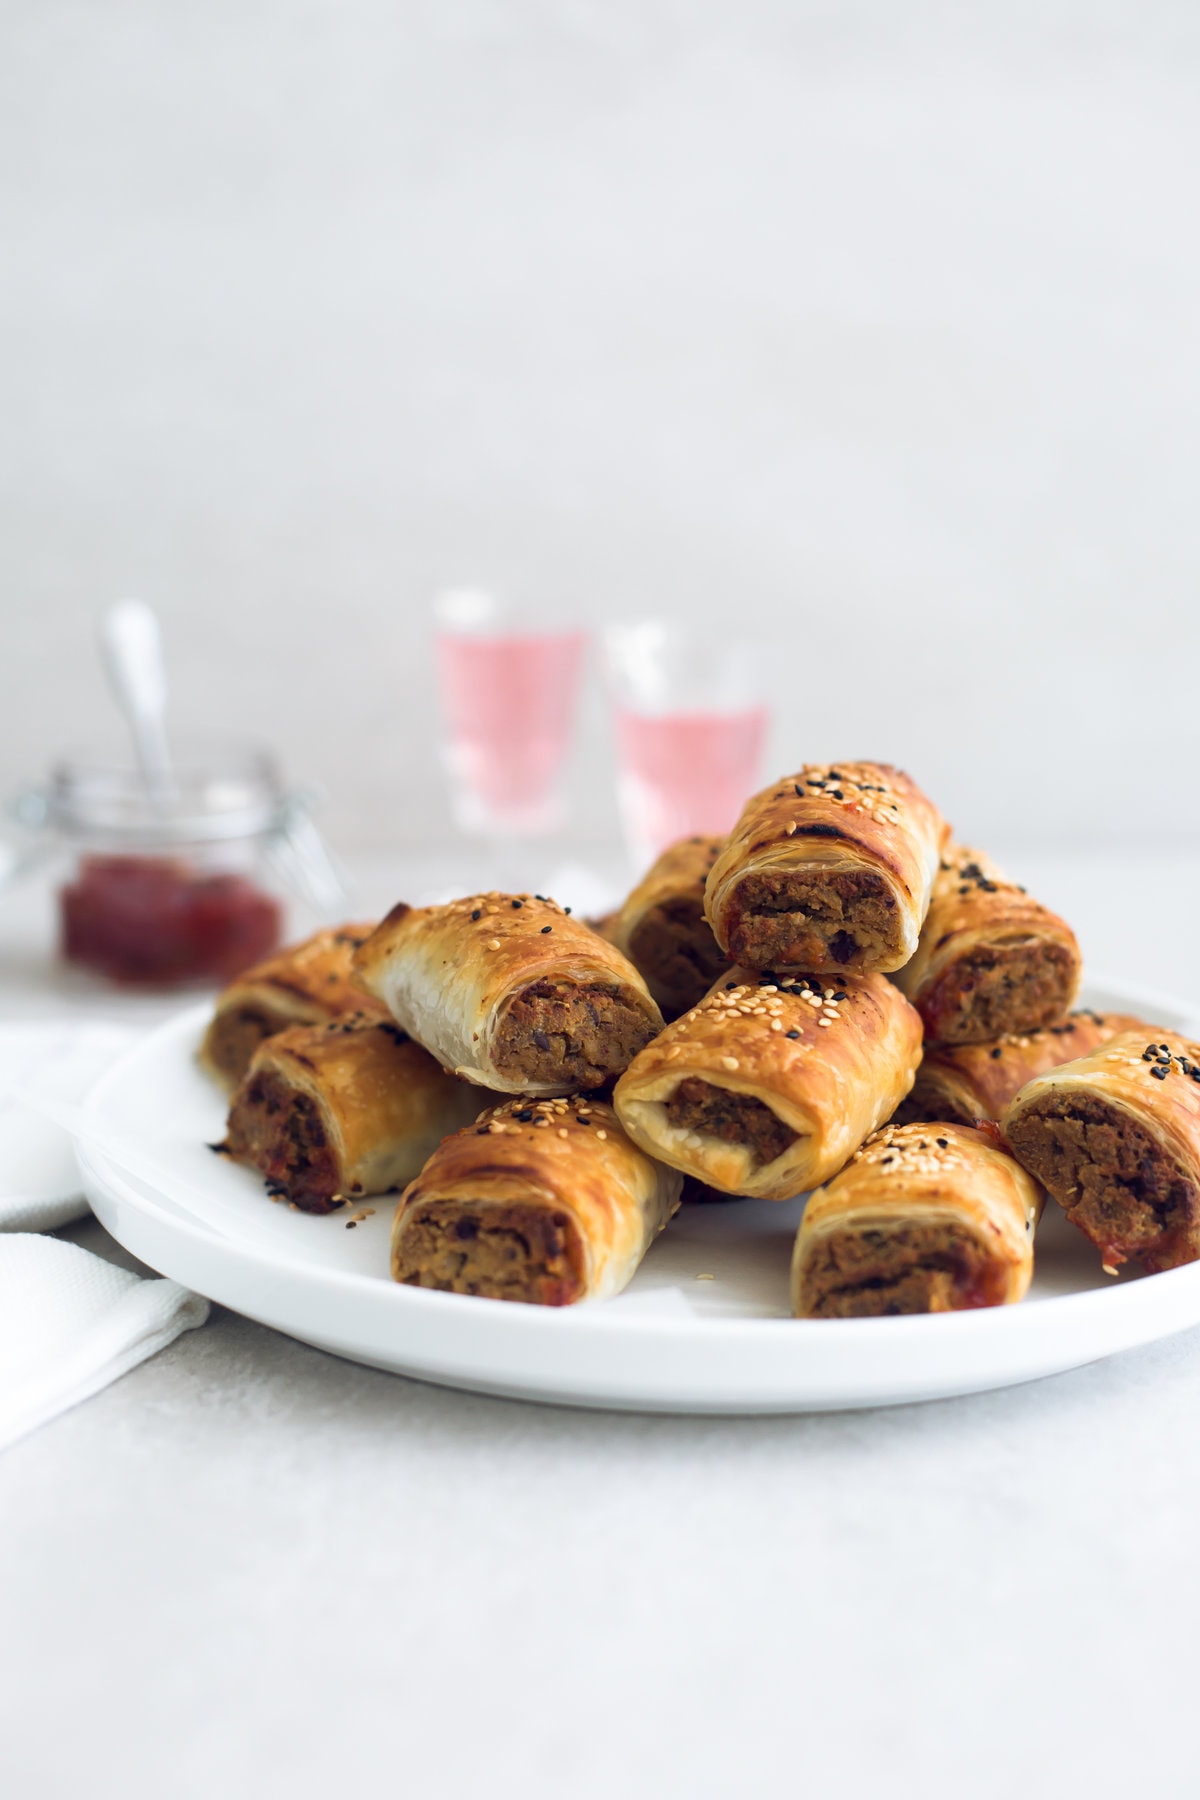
[
  {"x": 334, "y": 1111},
  {"x": 965, "y": 1082},
  {"x": 302, "y": 985},
  {"x": 932, "y": 1218},
  {"x": 991, "y": 961},
  {"x": 829, "y": 870},
  {"x": 663, "y": 931},
  {"x": 509, "y": 991},
  {"x": 1115, "y": 1138},
  {"x": 543, "y": 1200},
  {"x": 769, "y": 1084}
]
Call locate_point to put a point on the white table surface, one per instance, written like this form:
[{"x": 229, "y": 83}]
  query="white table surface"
[{"x": 249, "y": 1568}]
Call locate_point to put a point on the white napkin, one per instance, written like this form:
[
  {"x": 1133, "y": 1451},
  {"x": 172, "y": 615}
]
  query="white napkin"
[
  {"x": 39, "y": 1179},
  {"x": 69, "y": 1321}
]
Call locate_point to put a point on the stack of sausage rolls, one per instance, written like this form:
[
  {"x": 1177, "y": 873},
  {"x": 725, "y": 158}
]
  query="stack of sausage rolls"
[{"x": 835, "y": 999}]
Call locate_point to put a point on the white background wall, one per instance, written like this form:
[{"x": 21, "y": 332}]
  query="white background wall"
[{"x": 870, "y": 327}]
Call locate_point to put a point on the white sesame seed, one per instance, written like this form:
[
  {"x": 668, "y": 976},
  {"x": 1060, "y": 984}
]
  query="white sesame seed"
[{"x": 729, "y": 1062}]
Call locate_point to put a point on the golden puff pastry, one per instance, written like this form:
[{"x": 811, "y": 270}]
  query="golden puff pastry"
[
  {"x": 769, "y": 1084},
  {"x": 301, "y": 985},
  {"x": 663, "y": 931},
  {"x": 925, "y": 1218},
  {"x": 332, "y": 1112},
  {"x": 545, "y": 1201},
  {"x": 991, "y": 961},
  {"x": 830, "y": 870},
  {"x": 1115, "y": 1139},
  {"x": 510, "y": 992},
  {"x": 966, "y": 1082}
]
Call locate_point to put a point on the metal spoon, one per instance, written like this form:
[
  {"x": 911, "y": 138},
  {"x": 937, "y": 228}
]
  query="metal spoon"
[{"x": 131, "y": 645}]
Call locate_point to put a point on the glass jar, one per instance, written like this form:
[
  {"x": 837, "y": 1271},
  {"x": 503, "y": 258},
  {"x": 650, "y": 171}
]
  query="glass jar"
[{"x": 184, "y": 885}]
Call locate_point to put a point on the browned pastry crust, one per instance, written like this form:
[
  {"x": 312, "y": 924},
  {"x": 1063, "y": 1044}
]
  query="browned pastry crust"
[
  {"x": 991, "y": 962},
  {"x": 830, "y": 871},
  {"x": 935, "y": 1218},
  {"x": 663, "y": 931},
  {"x": 1115, "y": 1138},
  {"x": 301, "y": 985},
  {"x": 966, "y": 1082},
  {"x": 330, "y": 1112},
  {"x": 510, "y": 992},
  {"x": 769, "y": 1084},
  {"x": 545, "y": 1201}
]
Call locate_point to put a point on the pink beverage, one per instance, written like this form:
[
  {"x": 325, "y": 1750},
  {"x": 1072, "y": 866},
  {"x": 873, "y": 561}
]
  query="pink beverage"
[
  {"x": 509, "y": 703},
  {"x": 686, "y": 773}
]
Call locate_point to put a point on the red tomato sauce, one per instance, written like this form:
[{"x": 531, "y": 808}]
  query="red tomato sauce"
[{"x": 154, "y": 921}]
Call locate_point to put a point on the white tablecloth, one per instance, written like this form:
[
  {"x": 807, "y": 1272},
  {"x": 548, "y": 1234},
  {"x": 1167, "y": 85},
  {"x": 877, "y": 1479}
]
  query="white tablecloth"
[{"x": 250, "y": 1568}]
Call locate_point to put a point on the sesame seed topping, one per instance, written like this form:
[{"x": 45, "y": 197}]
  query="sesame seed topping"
[
  {"x": 729, "y": 1062},
  {"x": 546, "y": 928}
]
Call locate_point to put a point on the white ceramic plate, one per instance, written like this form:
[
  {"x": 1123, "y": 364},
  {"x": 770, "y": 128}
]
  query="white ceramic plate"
[{"x": 673, "y": 1342}]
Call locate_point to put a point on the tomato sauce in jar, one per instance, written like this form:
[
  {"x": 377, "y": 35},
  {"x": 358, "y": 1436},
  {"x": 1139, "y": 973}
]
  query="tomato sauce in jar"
[{"x": 161, "y": 921}]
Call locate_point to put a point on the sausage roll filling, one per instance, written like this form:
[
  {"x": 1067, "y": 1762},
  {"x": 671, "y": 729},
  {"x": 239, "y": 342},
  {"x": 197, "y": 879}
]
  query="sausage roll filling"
[
  {"x": 868, "y": 1274},
  {"x": 545, "y": 1201},
  {"x": 772, "y": 1081},
  {"x": 280, "y": 1131},
  {"x": 510, "y": 992},
  {"x": 923, "y": 1219},
  {"x": 467, "y": 1246},
  {"x": 966, "y": 1082},
  {"x": 1115, "y": 1138},
  {"x": 990, "y": 961},
  {"x": 235, "y": 1035},
  {"x": 815, "y": 920},
  {"x": 663, "y": 931},
  {"x": 737, "y": 1118},
  {"x": 830, "y": 870},
  {"x": 568, "y": 1034}
]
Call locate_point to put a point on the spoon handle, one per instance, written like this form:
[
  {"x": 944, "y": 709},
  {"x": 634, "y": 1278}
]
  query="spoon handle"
[{"x": 131, "y": 644}]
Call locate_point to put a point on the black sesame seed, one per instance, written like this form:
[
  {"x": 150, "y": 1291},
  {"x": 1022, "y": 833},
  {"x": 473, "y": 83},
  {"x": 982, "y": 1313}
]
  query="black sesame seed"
[
  {"x": 543, "y": 898},
  {"x": 943, "y": 1143},
  {"x": 516, "y": 904},
  {"x": 729, "y": 985},
  {"x": 1149, "y": 1053},
  {"x": 798, "y": 789},
  {"x": 1160, "y": 1074},
  {"x": 546, "y": 928},
  {"x": 996, "y": 1054},
  {"x": 840, "y": 995},
  {"x": 792, "y": 1034},
  {"x": 566, "y": 909}
]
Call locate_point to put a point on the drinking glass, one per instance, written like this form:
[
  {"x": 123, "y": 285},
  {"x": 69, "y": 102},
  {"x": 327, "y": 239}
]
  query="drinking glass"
[
  {"x": 509, "y": 687},
  {"x": 690, "y": 722}
]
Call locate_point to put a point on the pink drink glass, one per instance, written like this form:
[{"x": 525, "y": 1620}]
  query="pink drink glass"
[
  {"x": 509, "y": 692},
  {"x": 690, "y": 727}
]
